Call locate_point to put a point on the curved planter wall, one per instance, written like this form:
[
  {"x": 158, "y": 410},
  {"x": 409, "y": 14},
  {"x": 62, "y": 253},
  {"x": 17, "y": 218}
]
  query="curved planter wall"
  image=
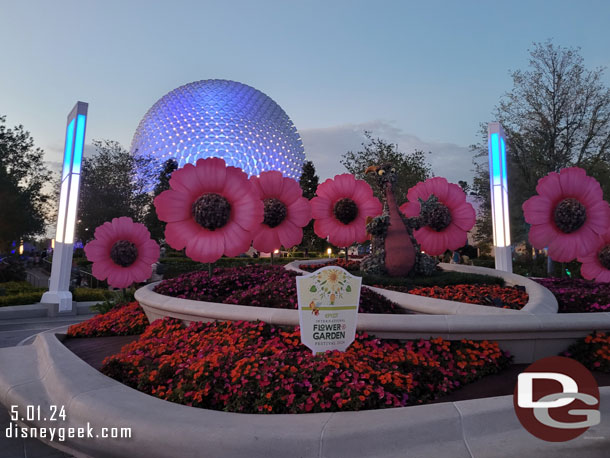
[
  {"x": 47, "y": 373},
  {"x": 540, "y": 300},
  {"x": 527, "y": 336}
]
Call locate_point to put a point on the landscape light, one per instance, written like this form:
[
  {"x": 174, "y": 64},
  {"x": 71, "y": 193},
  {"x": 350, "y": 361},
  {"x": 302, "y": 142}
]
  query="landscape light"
[
  {"x": 499, "y": 196},
  {"x": 62, "y": 245}
]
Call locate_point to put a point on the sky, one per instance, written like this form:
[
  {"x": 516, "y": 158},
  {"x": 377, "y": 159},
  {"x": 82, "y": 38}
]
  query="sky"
[{"x": 420, "y": 74}]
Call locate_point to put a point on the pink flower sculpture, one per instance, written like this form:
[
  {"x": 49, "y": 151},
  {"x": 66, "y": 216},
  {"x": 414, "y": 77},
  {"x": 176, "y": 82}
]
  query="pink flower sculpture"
[
  {"x": 596, "y": 265},
  {"x": 341, "y": 208},
  {"x": 567, "y": 215},
  {"x": 122, "y": 252},
  {"x": 450, "y": 221},
  {"x": 210, "y": 209},
  {"x": 286, "y": 211}
]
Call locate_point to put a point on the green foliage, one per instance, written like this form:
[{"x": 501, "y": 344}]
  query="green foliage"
[
  {"x": 17, "y": 287},
  {"x": 24, "y": 298},
  {"x": 154, "y": 225},
  {"x": 309, "y": 184},
  {"x": 114, "y": 184},
  {"x": 114, "y": 299},
  {"x": 528, "y": 266},
  {"x": 22, "y": 177},
  {"x": 309, "y": 180},
  {"x": 81, "y": 262},
  {"x": 410, "y": 168},
  {"x": 22, "y": 292},
  {"x": 11, "y": 269},
  {"x": 92, "y": 294},
  {"x": 19, "y": 293}
]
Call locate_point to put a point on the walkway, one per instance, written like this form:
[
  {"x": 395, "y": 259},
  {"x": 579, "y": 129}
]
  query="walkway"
[{"x": 18, "y": 325}]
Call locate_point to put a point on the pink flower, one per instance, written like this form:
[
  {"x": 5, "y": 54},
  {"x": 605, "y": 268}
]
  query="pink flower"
[
  {"x": 567, "y": 215},
  {"x": 210, "y": 209},
  {"x": 451, "y": 221},
  {"x": 341, "y": 208},
  {"x": 122, "y": 252},
  {"x": 596, "y": 265},
  {"x": 286, "y": 212}
]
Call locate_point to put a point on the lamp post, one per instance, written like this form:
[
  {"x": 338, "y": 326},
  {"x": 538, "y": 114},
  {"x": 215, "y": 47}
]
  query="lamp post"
[
  {"x": 59, "y": 282},
  {"x": 499, "y": 196}
]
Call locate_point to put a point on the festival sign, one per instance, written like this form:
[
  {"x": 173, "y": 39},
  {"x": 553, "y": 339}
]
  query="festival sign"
[{"x": 328, "y": 308}]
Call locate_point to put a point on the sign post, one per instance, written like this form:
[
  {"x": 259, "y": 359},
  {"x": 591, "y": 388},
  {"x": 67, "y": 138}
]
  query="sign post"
[
  {"x": 328, "y": 308},
  {"x": 59, "y": 283}
]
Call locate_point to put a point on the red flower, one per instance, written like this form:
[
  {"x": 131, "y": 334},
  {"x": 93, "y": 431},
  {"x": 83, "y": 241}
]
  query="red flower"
[
  {"x": 341, "y": 208},
  {"x": 210, "y": 209},
  {"x": 457, "y": 216},
  {"x": 567, "y": 215},
  {"x": 286, "y": 212},
  {"x": 122, "y": 252}
]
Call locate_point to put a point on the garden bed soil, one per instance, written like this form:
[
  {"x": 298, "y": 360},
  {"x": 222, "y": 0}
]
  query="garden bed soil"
[{"x": 93, "y": 350}]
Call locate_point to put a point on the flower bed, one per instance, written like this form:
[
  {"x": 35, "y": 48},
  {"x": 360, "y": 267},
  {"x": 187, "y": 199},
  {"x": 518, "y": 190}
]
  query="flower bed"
[
  {"x": 124, "y": 320},
  {"x": 495, "y": 295},
  {"x": 507, "y": 297},
  {"x": 258, "y": 368},
  {"x": 350, "y": 266},
  {"x": 578, "y": 296},
  {"x": 260, "y": 286},
  {"x": 593, "y": 352}
]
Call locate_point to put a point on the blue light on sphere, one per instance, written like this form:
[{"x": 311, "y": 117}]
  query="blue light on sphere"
[{"x": 220, "y": 118}]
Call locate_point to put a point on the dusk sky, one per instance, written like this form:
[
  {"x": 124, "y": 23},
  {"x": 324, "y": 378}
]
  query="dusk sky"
[{"x": 419, "y": 74}]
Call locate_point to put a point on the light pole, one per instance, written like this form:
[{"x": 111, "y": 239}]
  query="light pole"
[
  {"x": 59, "y": 282},
  {"x": 499, "y": 196}
]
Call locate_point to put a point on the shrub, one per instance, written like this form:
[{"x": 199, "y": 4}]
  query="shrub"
[
  {"x": 91, "y": 294},
  {"x": 23, "y": 298},
  {"x": 593, "y": 351},
  {"x": 15, "y": 287},
  {"x": 11, "y": 269}
]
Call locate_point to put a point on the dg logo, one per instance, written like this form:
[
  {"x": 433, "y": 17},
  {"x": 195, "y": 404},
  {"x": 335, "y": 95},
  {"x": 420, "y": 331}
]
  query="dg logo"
[{"x": 557, "y": 399}]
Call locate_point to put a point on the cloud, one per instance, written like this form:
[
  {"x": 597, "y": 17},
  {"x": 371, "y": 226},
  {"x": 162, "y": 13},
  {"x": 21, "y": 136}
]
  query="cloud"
[
  {"x": 54, "y": 155},
  {"x": 325, "y": 146}
]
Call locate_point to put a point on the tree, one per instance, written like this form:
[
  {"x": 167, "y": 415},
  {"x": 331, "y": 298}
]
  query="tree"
[
  {"x": 152, "y": 222},
  {"x": 309, "y": 184},
  {"x": 309, "y": 180},
  {"x": 410, "y": 168},
  {"x": 114, "y": 183},
  {"x": 23, "y": 175},
  {"x": 556, "y": 115}
]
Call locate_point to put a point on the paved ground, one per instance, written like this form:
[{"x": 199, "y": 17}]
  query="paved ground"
[{"x": 14, "y": 331}]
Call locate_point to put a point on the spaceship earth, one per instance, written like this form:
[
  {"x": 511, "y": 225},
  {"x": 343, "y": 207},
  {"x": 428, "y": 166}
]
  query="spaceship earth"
[{"x": 220, "y": 118}]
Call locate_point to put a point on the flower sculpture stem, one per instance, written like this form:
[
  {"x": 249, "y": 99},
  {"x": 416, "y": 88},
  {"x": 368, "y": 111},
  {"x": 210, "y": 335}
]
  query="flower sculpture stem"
[
  {"x": 393, "y": 248},
  {"x": 399, "y": 249}
]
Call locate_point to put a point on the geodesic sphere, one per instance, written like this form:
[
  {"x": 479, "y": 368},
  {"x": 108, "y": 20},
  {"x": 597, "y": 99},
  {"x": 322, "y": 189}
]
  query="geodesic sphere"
[{"x": 220, "y": 118}]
